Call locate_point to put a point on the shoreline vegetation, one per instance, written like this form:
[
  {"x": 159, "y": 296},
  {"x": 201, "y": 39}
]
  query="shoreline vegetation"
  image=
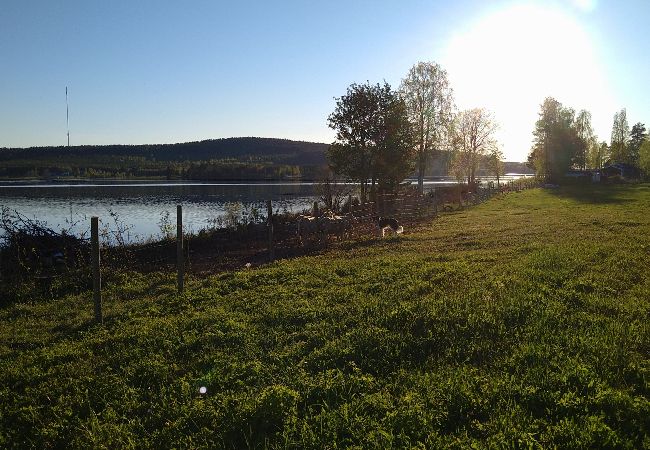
[{"x": 522, "y": 321}]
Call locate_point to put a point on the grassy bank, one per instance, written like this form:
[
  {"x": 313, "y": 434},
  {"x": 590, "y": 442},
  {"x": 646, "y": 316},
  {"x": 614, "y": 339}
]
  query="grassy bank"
[{"x": 524, "y": 321}]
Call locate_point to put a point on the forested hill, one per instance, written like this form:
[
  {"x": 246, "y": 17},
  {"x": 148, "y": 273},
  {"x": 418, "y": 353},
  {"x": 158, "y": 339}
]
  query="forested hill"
[
  {"x": 243, "y": 149},
  {"x": 517, "y": 167},
  {"x": 243, "y": 158}
]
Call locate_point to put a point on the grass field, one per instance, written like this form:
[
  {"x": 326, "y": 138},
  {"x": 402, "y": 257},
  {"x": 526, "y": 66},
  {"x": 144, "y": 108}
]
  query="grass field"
[{"x": 522, "y": 322}]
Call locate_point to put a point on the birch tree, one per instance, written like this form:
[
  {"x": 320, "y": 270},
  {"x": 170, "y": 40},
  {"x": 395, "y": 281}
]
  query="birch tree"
[
  {"x": 620, "y": 132},
  {"x": 472, "y": 138},
  {"x": 555, "y": 140},
  {"x": 585, "y": 135},
  {"x": 644, "y": 157},
  {"x": 429, "y": 104},
  {"x": 495, "y": 164},
  {"x": 637, "y": 137}
]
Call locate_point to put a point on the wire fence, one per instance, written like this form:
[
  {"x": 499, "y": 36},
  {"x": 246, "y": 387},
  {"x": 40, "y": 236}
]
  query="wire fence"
[{"x": 55, "y": 263}]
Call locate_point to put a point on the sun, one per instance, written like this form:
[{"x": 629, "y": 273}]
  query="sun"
[{"x": 511, "y": 59}]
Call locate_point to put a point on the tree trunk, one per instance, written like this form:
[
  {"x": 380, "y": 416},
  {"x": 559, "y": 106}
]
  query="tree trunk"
[{"x": 422, "y": 162}]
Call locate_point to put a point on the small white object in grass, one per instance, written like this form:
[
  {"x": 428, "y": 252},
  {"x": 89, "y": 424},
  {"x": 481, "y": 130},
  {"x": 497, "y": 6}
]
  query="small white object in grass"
[
  {"x": 248, "y": 265},
  {"x": 203, "y": 390}
]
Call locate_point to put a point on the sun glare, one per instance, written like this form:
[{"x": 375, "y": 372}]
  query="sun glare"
[
  {"x": 510, "y": 60},
  {"x": 585, "y": 5}
]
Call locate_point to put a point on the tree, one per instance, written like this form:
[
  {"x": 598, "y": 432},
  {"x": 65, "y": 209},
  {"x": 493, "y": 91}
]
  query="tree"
[
  {"x": 555, "y": 142},
  {"x": 394, "y": 152},
  {"x": 373, "y": 137},
  {"x": 619, "y": 142},
  {"x": 598, "y": 153},
  {"x": 644, "y": 157},
  {"x": 585, "y": 135},
  {"x": 429, "y": 104},
  {"x": 495, "y": 164},
  {"x": 472, "y": 139},
  {"x": 637, "y": 138}
]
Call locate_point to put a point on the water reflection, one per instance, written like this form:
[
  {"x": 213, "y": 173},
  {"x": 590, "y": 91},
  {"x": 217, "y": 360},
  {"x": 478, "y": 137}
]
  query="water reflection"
[{"x": 140, "y": 205}]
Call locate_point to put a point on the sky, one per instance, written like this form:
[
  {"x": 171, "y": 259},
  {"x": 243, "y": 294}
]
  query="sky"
[{"x": 146, "y": 72}]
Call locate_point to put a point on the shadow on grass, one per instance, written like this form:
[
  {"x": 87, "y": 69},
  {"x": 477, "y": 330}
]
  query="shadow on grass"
[
  {"x": 371, "y": 242},
  {"x": 595, "y": 193}
]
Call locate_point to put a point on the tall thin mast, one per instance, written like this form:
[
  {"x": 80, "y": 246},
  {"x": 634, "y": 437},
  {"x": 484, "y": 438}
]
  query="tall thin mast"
[{"x": 67, "y": 116}]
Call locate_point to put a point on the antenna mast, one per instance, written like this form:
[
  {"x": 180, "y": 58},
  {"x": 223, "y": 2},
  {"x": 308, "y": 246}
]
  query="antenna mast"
[{"x": 67, "y": 116}]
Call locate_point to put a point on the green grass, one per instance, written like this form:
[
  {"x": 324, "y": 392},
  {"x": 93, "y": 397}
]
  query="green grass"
[{"x": 523, "y": 322}]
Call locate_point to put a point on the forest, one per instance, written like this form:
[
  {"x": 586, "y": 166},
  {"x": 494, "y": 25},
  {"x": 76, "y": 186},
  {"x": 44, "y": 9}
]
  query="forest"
[
  {"x": 232, "y": 158},
  {"x": 243, "y": 158}
]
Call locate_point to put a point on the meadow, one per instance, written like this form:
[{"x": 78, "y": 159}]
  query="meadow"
[{"x": 521, "y": 322}]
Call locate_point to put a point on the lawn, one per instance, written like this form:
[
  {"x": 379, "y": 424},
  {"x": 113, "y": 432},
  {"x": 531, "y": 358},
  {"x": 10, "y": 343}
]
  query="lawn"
[{"x": 521, "y": 322}]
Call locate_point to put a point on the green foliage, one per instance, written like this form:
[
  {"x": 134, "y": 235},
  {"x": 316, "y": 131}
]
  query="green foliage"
[
  {"x": 472, "y": 136},
  {"x": 644, "y": 157},
  {"x": 637, "y": 136},
  {"x": 495, "y": 164},
  {"x": 586, "y": 139},
  {"x": 557, "y": 143},
  {"x": 429, "y": 105},
  {"x": 522, "y": 322},
  {"x": 619, "y": 148},
  {"x": 374, "y": 140}
]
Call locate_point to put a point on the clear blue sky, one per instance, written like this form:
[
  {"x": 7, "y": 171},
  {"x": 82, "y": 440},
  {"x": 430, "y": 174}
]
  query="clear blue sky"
[{"x": 162, "y": 71}]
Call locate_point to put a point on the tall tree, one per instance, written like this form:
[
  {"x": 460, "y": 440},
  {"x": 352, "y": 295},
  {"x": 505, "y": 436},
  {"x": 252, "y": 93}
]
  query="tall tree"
[
  {"x": 373, "y": 137},
  {"x": 598, "y": 153},
  {"x": 394, "y": 141},
  {"x": 429, "y": 103},
  {"x": 555, "y": 140},
  {"x": 472, "y": 138},
  {"x": 644, "y": 157},
  {"x": 585, "y": 135},
  {"x": 495, "y": 164},
  {"x": 637, "y": 137},
  {"x": 618, "y": 146}
]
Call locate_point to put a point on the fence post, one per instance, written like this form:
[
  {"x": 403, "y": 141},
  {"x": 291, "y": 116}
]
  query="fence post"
[
  {"x": 97, "y": 277},
  {"x": 269, "y": 225},
  {"x": 180, "y": 261},
  {"x": 315, "y": 211}
]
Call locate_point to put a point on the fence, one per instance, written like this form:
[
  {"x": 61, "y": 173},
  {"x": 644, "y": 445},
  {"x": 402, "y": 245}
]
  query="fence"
[{"x": 49, "y": 258}]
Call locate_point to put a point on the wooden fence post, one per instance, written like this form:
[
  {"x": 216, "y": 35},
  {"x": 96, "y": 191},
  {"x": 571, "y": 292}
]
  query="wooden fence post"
[
  {"x": 269, "y": 225},
  {"x": 180, "y": 261},
  {"x": 97, "y": 277},
  {"x": 315, "y": 211}
]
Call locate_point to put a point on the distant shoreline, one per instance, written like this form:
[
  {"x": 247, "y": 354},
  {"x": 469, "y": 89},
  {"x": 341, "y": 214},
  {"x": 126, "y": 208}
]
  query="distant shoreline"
[{"x": 151, "y": 180}]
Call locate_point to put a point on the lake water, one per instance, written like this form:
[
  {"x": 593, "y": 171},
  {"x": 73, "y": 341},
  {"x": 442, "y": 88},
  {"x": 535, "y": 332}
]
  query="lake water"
[{"x": 142, "y": 206}]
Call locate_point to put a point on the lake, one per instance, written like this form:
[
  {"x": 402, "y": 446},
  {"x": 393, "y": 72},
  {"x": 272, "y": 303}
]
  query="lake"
[{"x": 143, "y": 206}]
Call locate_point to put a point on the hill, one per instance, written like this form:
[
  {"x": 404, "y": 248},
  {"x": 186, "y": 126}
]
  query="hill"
[
  {"x": 231, "y": 158},
  {"x": 517, "y": 167},
  {"x": 282, "y": 151}
]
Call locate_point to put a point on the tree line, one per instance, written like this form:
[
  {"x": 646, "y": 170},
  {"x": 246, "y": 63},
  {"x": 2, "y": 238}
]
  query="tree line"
[
  {"x": 217, "y": 159},
  {"x": 384, "y": 135},
  {"x": 564, "y": 140}
]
